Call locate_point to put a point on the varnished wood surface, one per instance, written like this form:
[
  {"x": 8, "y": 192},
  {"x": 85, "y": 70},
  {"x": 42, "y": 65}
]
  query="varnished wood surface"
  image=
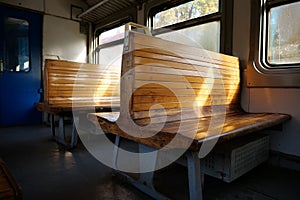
[
  {"x": 182, "y": 89},
  {"x": 67, "y": 110},
  {"x": 178, "y": 76},
  {"x": 234, "y": 126},
  {"x": 78, "y": 86},
  {"x": 9, "y": 188}
]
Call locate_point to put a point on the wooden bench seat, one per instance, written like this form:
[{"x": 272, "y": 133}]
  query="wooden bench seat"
[
  {"x": 72, "y": 86},
  {"x": 193, "y": 86},
  {"x": 169, "y": 88},
  {"x": 234, "y": 126}
]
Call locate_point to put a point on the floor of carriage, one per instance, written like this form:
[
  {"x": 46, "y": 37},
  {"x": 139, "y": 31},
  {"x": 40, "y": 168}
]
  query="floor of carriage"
[{"x": 46, "y": 170}]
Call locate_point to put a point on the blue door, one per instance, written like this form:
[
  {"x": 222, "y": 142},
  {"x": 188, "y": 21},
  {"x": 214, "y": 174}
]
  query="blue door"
[{"x": 20, "y": 66}]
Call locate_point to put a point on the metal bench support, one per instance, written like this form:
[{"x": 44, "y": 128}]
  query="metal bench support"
[
  {"x": 194, "y": 176},
  {"x": 60, "y": 137},
  {"x": 145, "y": 181}
]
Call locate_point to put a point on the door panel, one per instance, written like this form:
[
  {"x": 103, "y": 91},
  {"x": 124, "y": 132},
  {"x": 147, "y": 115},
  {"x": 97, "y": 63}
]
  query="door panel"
[{"x": 20, "y": 55}]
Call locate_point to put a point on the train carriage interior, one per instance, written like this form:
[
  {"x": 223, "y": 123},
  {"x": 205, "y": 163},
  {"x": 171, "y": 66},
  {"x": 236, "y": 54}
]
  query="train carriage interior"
[{"x": 149, "y": 99}]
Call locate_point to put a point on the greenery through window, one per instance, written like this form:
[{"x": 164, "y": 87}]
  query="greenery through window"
[
  {"x": 184, "y": 12},
  {"x": 206, "y": 36},
  {"x": 196, "y": 23}
]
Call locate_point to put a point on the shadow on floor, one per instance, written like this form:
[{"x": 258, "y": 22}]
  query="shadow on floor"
[{"x": 45, "y": 170}]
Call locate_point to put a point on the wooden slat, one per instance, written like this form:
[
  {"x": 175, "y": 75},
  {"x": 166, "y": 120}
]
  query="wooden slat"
[
  {"x": 183, "y": 116},
  {"x": 209, "y": 73},
  {"x": 175, "y": 65},
  {"x": 79, "y": 87},
  {"x": 205, "y": 111},
  {"x": 75, "y": 66},
  {"x": 83, "y": 105},
  {"x": 162, "y": 99},
  {"x": 199, "y": 61},
  {"x": 66, "y": 69},
  {"x": 181, "y": 78},
  {"x": 58, "y": 81},
  {"x": 186, "y": 104},
  {"x": 184, "y": 85},
  {"x": 80, "y": 99},
  {"x": 181, "y": 92},
  {"x": 67, "y": 94},
  {"x": 91, "y": 75}
]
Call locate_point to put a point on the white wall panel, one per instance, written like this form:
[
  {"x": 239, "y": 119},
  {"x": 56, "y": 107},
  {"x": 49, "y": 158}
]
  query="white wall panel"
[
  {"x": 62, "y": 38},
  {"x": 280, "y": 100}
]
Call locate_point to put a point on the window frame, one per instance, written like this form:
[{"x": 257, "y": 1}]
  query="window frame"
[
  {"x": 267, "y": 6},
  {"x": 112, "y": 43},
  {"x": 224, "y": 16},
  {"x": 5, "y": 63},
  {"x": 259, "y": 74},
  {"x": 108, "y": 23},
  {"x": 101, "y": 30}
]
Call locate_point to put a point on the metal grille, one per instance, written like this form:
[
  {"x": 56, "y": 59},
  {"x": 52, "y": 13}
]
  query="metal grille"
[
  {"x": 249, "y": 156},
  {"x": 233, "y": 159}
]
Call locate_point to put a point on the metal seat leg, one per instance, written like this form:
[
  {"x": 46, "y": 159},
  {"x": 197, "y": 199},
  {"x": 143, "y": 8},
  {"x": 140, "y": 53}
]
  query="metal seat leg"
[{"x": 194, "y": 176}]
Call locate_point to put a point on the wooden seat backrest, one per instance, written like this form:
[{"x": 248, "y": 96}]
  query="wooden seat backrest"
[
  {"x": 68, "y": 84},
  {"x": 185, "y": 81}
]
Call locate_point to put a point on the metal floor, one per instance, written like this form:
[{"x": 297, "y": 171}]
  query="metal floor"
[{"x": 46, "y": 171}]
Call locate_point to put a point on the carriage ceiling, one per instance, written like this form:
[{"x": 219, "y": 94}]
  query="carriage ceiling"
[{"x": 100, "y": 9}]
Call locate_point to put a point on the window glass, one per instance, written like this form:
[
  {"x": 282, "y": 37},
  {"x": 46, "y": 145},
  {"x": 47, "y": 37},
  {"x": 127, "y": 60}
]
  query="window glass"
[
  {"x": 184, "y": 12},
  {"x": 16, "y": 45},
  {"x": 206, "y": 36},
  {"x": 284, "y": 34},
  {"x": 110, "y": 47},
  {"x": 112, "y": 35},
  {"x": 111, "y": 56}
]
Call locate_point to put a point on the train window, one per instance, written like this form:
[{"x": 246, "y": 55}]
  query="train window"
[
  {"x": 198, "y": 23},
  {"x": 185, "y": 12},
  {"x": 110, "y": 46},
  {"x": 206, "y": 36},
  {"x": 112, "y": 35},
  {"x": 283, "y": 34},
  {"x": 274, "y": 57},
  {"x": 16, "y": 45}
]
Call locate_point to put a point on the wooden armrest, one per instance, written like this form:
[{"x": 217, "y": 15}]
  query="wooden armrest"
[
  {"x": 9, "y": 188},
  {"x": 40, "y": 106}
]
